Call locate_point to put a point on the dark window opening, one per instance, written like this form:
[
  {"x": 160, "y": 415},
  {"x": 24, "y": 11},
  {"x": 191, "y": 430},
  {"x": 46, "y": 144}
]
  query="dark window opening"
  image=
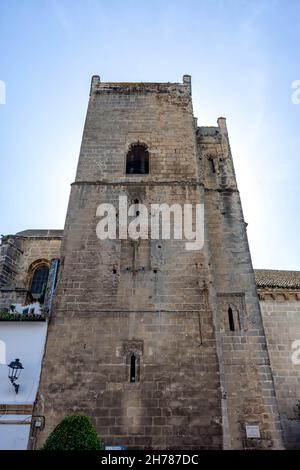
[
  {"x": 132, "y": 368},
  {"x": 137, "y": 160},
  {"x": 39, "y": 280},
  {"x": 231, "y": 319},
  {"x": 212, "y": 165}
]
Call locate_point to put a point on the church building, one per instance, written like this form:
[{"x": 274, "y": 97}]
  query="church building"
[{"x": 166, "y": 343}]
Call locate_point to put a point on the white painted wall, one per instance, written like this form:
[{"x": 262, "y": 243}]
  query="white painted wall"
[
  {"x": 14, "y": 432},
  {"x": 26, "y": 341}
]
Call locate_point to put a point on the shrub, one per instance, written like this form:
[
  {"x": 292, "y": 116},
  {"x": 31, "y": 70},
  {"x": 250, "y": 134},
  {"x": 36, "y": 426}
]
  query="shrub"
[
  {"x": 74, "y": 433},
  {"x": 7, "y": 316}
]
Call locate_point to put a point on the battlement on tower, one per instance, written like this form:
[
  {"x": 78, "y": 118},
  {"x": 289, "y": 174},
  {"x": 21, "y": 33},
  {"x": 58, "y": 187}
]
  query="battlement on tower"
[{"x": 141, "y": 87}]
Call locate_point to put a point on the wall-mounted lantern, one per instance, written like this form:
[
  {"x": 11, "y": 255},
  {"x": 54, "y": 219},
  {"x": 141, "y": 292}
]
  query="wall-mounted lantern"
[{"x": 14, "y": 370}]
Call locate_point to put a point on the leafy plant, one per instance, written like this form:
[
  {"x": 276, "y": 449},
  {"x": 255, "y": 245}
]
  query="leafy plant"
[
  {"x": 74, "y": 433},
  {"x": 8, "y": 316}
]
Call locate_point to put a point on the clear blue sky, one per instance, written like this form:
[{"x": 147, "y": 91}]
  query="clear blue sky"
[{"x": 243, "y": 57}]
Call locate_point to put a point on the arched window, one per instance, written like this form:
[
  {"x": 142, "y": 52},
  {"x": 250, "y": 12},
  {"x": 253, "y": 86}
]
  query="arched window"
[
  {"x": 39, "y": 280},
  {"x": 137, "y": 160}
]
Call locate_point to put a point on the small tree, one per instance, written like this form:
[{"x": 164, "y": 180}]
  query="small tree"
[{"x": 74, "y": 433}]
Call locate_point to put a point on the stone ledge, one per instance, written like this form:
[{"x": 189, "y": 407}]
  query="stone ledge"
[
  {"x": 279, "y": 295},
  {"x": 140, "y": 182}
]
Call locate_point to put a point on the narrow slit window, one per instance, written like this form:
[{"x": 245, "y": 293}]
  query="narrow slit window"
[
  {"x": 212, "y": 165},
  {"x": 231, "y": 319},
  {"x": 132, "y": 368}
]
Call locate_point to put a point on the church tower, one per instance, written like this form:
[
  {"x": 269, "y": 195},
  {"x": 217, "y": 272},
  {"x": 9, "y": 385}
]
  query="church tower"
[{"x": 162, "y": 346}]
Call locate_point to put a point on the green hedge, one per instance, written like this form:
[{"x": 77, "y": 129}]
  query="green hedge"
[
  {"x": 74, "y": 433},
  {"x": 7, "y": 316}
]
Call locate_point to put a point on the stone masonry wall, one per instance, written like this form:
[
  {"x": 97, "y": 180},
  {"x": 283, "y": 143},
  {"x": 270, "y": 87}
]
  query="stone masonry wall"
[
  {"x": 248, "y": 395},
  {"x": 10, "y": 253},
  {"x": 281, "y": 319},
  {"x": 199, "y": 383},
  {"x": 175, "y": 403},
  {"x": 157, "y": 114},
  {"x": 17, "y": 255},
  {"x": 116, "y": 297},
  {"x": 36, "y": 248}
]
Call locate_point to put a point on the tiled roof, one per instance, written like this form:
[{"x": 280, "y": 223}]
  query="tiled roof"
[
  {"x": 277, "y": 279},
  {"x": 40, "y": 233}
]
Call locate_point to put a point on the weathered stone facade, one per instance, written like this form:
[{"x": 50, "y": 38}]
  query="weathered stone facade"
[
  {"x": 190, "y": 318},
  {"x": 279, "y": 293},
  {"x": 20, "y": 254}
]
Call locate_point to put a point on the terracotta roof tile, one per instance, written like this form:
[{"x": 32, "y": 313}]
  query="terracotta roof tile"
[{"x": 277, "y": 279}]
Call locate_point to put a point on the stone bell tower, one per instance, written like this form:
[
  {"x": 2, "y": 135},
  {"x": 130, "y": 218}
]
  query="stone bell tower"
[{"x": 161, "y": 346}]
